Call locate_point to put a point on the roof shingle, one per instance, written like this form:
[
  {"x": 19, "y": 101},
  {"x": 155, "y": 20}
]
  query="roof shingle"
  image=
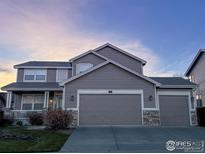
[
  {"x": 32, "y": 86},
  {"x": 44, "y": 64},
  {"x": 173, "y": 81}
]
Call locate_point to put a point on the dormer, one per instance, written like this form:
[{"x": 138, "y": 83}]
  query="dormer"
[{"x": 104, "y": 53}]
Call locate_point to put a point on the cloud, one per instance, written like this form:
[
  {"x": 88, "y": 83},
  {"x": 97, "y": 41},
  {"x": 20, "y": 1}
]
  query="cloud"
[
  {"x": 2, "y": 69},
  {"x": 154, "y": 65},
  {"x": 47, "y": 30}
]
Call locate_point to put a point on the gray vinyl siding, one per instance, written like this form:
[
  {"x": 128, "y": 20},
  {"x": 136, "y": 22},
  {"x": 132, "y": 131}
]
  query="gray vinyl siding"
[
  {"x": 198, "y": 73},
  {"x": 69, "y": 73},
  {"x": 20, "y": 75},
  {"x": 111, "y": 109},
  {"x": 90, "y": 58},
  {"x": 174, "y": 110},
  {"x": 109, "y": 77},
  {"x": 121, "y": 58},
  {"x": 17, "y": 101},
  {"x": 51, "y": 74}
]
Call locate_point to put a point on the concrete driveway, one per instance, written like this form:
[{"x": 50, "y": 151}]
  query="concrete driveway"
[{"x": 130, "y": 139}]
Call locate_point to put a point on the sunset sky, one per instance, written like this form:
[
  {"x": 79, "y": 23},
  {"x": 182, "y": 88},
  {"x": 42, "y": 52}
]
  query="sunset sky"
[{"x": 166, "y": 33}]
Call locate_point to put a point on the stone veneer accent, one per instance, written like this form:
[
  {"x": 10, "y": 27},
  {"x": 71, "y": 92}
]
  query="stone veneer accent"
[
  {"x": 151, "y": 118},
  {"x": 193, "y": 117},
  {"x": 75, "y": 117}
]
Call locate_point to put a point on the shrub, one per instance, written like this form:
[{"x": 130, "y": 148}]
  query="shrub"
[
  {"x": 35, "y": 118},
  {"x": 6, "y": 119},
  {"x": 58, "y": 119},
  {"x": 19, "y": 123},
  {"x": 1, "y": 117}
]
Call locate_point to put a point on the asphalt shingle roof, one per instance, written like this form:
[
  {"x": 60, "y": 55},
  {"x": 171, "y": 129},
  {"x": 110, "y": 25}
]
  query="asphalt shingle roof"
[
  {"x": 32, "y": 85},
  {"x": 45, "y": 64},
  {"x": 172, "y": 81}
]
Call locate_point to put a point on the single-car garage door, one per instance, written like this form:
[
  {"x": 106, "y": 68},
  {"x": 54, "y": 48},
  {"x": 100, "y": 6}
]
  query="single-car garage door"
[
  {"x": 174, "y": 110},
  {"x": 110, "y": 109}
]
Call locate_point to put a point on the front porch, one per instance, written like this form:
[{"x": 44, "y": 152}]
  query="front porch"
[{"x": 24, "y": 102}]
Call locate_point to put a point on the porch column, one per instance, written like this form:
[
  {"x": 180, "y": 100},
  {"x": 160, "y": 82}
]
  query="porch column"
[
  {"x": 8, "y": 99},
  {"x": 46, "y": 99}
]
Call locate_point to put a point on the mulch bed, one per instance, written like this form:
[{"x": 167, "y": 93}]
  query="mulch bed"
[{"x": 6, "y": 135}]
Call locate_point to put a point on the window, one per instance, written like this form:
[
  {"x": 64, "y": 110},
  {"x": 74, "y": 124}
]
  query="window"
[
  {"x": 199, "y": 100},
  {"x": 191, "y": 78},
  {"x": 32, "y": 102},
  {"x": 35, "y": 75},
  {"x": 40, "y": 77},
  {"x": 81, "y": 67},
  {"x": 61, "y": 74},
  {"x": 29, "y": 77}
]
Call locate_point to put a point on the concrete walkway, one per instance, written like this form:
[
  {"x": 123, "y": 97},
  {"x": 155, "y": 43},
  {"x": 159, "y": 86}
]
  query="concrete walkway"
[{"x": 129, "y": 139}]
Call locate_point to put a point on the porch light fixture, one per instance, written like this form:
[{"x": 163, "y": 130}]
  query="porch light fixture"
[
  {"x": 192, "y": 98},
  {"x": 50, "y": 101},
  {"x": 72, "y": 98}
]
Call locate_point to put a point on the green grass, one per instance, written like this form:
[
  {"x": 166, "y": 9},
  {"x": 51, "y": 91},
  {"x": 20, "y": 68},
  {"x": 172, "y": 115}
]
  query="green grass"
[{"x": 48, "y": 141}]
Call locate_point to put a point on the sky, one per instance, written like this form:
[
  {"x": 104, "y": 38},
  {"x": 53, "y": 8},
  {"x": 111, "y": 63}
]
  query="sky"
[{"x": 165, "y": 33}]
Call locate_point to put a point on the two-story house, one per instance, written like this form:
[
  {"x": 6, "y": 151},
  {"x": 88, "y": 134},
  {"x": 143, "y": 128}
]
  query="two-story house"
[
  {"x": 196, "y": 74},
  {"x": 103, "y": 86}
]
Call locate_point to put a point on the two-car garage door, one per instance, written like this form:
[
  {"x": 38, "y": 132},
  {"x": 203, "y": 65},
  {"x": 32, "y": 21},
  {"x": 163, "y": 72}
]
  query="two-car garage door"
[{"x": 110, "y": 109}]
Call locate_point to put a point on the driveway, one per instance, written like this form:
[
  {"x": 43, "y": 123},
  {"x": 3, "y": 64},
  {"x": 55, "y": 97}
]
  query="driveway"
[{"x": 130, "y": 139}]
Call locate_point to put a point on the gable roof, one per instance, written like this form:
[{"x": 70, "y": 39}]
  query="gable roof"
[
  {"x": 195, "y": 60},
  {"x": 105, "y": 63},
  {"x": 174, "y": 82},
  {"x": 111, "y": 46},
  {"x": 44, "y": 64}
]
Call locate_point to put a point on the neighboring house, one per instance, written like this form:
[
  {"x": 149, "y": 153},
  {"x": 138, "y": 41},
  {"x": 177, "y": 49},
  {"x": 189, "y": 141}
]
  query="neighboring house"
[
  {"x": 2, "y": 100},
  {"x": 196, "y": 74},
  {"x": 104, "y": 86}
]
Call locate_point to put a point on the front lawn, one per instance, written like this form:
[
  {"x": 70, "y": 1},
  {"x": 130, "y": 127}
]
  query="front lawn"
[{"x": 47, "y": 141}]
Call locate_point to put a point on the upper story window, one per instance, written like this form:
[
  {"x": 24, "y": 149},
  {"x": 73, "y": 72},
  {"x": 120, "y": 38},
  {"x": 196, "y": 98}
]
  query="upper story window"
[
  {"x": 199, "y": 100},
  {"x": 35, "y": 75},
  {"x": 81, "y": 67},
  {"x": 61, "y": 74},
  {"x": 191, "y": 78}
]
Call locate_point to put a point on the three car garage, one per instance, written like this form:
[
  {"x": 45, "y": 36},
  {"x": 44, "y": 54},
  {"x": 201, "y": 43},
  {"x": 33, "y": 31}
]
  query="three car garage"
[{"x": 125, "y": 107}]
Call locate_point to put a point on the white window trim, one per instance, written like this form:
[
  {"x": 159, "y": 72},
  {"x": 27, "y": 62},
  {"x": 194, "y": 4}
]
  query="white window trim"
[
  {"x": 24, "y": 80},
  {"x": 78, "y": 67},
  {"x": 57, "y": 72},
  {"x": 9, "y": 99},
  {"x": 22, "y": 102},
  {"x": 179, "y": 93}
]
